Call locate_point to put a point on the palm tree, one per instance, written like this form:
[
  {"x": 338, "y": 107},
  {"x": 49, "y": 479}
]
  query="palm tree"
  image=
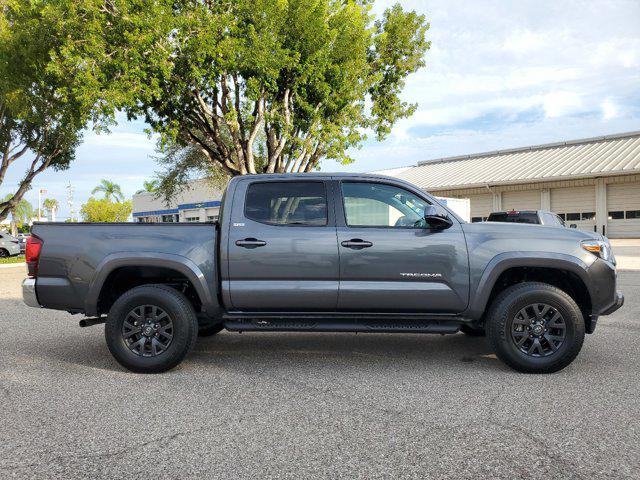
[
  {"x": 50, "y": 205},
  {"x": 21, "y": 214},
  {"x": 110, "y": 189},
  {"x": 150, "y": 186}
]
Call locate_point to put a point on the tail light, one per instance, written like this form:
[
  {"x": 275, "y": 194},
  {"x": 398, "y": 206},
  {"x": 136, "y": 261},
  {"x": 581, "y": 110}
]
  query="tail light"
[{"x": 32, "y": 254}]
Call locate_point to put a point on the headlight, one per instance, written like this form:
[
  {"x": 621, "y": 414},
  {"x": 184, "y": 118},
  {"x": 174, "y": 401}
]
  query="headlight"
[{"x": 598, "y": 248}]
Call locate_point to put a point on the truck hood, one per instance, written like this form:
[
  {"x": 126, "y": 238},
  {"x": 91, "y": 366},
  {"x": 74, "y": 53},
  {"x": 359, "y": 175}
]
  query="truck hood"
[{"x": 526, "y": 229}]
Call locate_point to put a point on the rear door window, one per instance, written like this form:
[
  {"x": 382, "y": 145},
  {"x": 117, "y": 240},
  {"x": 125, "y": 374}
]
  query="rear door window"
[{"x": 287, "y": 203}]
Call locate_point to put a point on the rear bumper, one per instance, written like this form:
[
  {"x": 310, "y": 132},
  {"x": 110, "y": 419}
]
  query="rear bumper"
[
  {"x": 29, "y": 293},
  {"x": 616, "y": 305}
]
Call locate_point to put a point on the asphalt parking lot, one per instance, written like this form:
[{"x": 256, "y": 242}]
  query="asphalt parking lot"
[{"x": 314, "y": 405}]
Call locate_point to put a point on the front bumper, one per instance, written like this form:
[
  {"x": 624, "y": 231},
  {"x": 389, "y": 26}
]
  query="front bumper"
[
  {"x": 616, "y": 305},
  {"x": 29, "y": 292}
]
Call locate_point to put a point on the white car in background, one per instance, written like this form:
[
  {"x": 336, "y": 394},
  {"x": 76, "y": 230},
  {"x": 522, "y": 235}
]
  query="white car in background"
[{"x": 9, "y": 245}]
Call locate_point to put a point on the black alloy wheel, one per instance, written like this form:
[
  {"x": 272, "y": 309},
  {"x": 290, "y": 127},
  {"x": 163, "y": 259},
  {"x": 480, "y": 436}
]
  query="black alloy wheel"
[
  {"x": 147, "y": 330},
  {"x": 535, "y": 327},
  {"x": 538, "y": 330},
  {"x": 151, "y": 328}
]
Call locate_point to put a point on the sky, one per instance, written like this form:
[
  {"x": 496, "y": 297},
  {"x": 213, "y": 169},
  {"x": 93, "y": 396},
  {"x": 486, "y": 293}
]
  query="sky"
[{"x": 499, "y": 74}]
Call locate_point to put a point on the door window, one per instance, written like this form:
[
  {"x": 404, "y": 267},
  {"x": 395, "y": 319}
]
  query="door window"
[
  {"x": 287, "y": 203},
  {"x": 379, "y": 205}
]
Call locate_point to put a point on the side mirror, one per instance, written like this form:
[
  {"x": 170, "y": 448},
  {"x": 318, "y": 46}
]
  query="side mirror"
[
  {"x": 573, "y": 225},
  {"x": 436, "y": 220}
]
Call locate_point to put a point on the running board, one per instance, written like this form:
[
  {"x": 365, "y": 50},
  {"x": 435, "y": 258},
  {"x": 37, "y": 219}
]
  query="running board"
[{"x": 348, "y": 325}]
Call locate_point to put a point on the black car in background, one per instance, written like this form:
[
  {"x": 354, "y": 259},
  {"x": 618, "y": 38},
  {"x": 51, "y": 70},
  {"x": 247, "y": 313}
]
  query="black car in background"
[{"x": 535, "y": 217}]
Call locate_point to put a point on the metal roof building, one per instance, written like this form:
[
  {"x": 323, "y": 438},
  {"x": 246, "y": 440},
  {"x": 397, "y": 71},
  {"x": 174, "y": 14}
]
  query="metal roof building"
[{"x": 593, "y": 182}]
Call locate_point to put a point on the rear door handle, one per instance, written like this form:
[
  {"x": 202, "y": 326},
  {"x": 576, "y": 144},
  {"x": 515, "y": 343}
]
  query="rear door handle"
[
  {"x": 356, "y": 243},
  {"x": 251, "y": 243}
]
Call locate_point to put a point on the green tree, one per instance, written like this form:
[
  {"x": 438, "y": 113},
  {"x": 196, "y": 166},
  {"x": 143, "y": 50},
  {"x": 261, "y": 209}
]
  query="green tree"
[
  {"x": 21, "y": 214},
  {"x": 104, "y": 210},
  {"x": 50, "y": 206},
  {"x": 150, "y": 186},
  {"x": 251, "y": 86},
  {"x": 51, "y": 88},
  {"x": 110, "y": 190}
]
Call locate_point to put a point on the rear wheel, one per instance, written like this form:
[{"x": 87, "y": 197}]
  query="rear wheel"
[
  {"x": 535, "y": 328},
  {"x": 3, "y": 253},
  {"x": 151, "y": 328}
]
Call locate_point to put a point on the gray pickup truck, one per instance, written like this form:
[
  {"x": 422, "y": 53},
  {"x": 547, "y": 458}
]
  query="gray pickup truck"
[{"x": 326, "y": 252}]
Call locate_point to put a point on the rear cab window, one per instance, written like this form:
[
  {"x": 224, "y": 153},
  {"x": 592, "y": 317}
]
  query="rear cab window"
[{"x": 287, "y": 203}]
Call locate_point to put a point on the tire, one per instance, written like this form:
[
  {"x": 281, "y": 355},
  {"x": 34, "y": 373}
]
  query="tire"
[
  {"x": 518, "y": 315},
  {"x": 156, "y": 352},
  {"x": 473, "y": 332},
  {"x": 4, "y": 253}
]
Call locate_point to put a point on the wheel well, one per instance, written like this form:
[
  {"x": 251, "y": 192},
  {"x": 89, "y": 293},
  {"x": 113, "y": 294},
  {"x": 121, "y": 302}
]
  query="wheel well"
[
  {"x": 565, "y": 280},
  {"x": 123, "y": 279}
]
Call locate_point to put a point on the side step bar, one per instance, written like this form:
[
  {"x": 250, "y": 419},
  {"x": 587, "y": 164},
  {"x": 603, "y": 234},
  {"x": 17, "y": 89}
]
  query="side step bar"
[{"x": 364, "y": 325}]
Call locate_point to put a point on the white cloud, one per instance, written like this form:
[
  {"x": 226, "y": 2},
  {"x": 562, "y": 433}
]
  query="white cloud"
[
  {"x": 504, "y": 74},
  {"x": 120, "y": 139},
  {"x": 559, "y": 104},
  {"x": 609, "y": 109}
]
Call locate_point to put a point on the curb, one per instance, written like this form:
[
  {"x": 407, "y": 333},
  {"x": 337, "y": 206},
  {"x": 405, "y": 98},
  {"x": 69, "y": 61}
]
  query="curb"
[{"x": 13, "y": 265}]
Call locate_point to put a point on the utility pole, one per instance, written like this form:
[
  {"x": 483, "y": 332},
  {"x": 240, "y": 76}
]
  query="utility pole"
[
  {"x": 40, "y": 192},
  {"x": 70, "y": 191}
]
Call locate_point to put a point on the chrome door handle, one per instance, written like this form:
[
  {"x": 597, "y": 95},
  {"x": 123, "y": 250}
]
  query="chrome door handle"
[
  {"x": 250, "y": 243},
  {"x": 356, "y": 243}
]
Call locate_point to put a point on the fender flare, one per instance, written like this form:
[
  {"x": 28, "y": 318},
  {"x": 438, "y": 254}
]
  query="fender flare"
[
  {"x": 504, "y": 261},
  {"x": 142, "y": 259}
]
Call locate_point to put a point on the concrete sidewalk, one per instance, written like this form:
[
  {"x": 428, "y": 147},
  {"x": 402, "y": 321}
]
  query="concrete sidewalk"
[{"x": 627, "y": 252}]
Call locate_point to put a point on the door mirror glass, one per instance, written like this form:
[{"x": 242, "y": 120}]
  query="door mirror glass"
[{"x": 436, "y": 220}]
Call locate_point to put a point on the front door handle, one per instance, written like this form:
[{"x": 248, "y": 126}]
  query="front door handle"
[
  {"x": 250, "y": 243},
  {"x": 356, "y": 243}
]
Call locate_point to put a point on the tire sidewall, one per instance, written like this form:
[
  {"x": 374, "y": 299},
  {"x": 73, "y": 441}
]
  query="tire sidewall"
[
  {"x": 182, "y": 317},
  {"x": 503, "y": 320}
]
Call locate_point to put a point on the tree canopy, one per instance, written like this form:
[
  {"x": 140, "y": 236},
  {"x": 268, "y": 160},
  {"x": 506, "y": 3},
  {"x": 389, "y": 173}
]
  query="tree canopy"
[
  {"x": 264, "y": 85},
  {"x": 110, "y": 190},
  {"x": 150, "y": 186},
  {"x": 50, "y": 206},
  {"x": 104, "y": 210},
  {"x": 52, "y": 85},
  {"x": 21, "y": 214}
]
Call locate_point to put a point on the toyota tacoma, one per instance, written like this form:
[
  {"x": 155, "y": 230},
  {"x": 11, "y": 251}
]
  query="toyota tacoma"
[{"x": 326, "y": 253}]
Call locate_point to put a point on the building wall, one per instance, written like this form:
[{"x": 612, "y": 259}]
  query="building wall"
[{"x": 199, "y": 202}]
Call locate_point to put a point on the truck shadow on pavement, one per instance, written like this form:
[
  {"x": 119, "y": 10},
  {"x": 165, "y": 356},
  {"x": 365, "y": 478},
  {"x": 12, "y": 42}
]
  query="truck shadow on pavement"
[{"x": 230, "y": 350}]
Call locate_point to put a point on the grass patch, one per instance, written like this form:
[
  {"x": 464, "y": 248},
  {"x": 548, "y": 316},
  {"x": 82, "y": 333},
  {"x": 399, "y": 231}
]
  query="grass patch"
[{"x": 18, "y": 259}]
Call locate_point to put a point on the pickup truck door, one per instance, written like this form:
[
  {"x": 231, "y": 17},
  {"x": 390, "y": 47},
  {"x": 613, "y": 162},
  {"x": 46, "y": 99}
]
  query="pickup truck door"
[
  {"x": 390, "y": 260},
  {"x": 282, "y": 247}
]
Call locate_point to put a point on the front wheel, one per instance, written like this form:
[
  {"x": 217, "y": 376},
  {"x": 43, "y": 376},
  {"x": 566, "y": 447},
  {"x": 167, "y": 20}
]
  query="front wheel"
[
  {"x": 151, "y": 328},
  {"x": 535, "y": 328}
]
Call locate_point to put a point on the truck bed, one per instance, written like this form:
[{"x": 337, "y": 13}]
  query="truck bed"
[{"x": 78, "y": 258}]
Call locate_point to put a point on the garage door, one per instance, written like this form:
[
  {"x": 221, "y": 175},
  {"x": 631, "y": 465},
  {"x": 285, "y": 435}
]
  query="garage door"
[
  {"x": 480, "y": 206},
  {"x": 576, "y": 205},
  {"x": 623, "y": 205},
  {"x": 521, "y": 200}
]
